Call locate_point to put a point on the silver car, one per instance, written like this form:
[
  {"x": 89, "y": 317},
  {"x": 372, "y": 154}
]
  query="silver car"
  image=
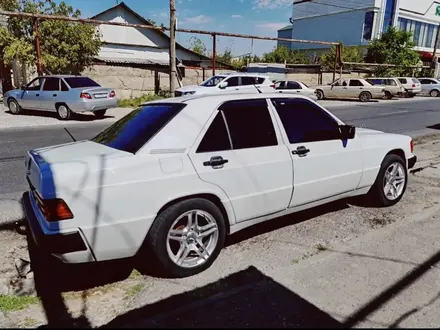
[
  {"x": 430, "y": 86},
  {"x": 64, "y": 95}
]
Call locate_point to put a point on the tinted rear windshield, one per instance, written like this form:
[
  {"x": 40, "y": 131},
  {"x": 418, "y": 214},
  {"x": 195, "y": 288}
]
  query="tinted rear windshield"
[
  {"x": 416, "y": 81},
  {"x": 81, "y": 82},
  {"x": 131, "y": 132}
]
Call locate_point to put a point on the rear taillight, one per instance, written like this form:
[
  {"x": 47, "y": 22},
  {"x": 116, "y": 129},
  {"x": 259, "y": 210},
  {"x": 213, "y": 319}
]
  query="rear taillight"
[
  {"x": 273, "y": 86},
  {"x": 411, "y": 146},
  {"x": 85, "y": 96},
  {"x": 414, "y": 85},
  {"x": 112, "y": 94},
  {"x": 54, "y": 209}
]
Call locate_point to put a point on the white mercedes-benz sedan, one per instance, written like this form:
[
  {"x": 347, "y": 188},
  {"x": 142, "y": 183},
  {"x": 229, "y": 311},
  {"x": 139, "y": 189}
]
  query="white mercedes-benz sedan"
[{"x": 171, "y": 179}]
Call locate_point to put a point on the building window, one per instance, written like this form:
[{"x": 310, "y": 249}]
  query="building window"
[
  {"x": 389, "y": 14},
  {"x": 368, "y": 25},
  {"x": 423, "y": 33}
]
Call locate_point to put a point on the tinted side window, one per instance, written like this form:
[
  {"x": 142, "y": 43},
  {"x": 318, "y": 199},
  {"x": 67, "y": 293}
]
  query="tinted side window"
[
  {"x": 391, "y": 82},
  {"x": 232, "y": 82},
  {"x": 293, "y": 85},
  {"x": 280, "y": 85},
  {"x": 51, "y": 84},
  {"x": 131, "y": 132},
  {"x": 354, "y": 82},
  {"x": 248, "y": 80},
  {"x": 260, "y": 81},
  {"x": 249, "y": 123},
  {"x": 216, "y": 137},
  {"x": 402, "y": 80},
  {"x": 305, "y": 122},
  {"x": 64, "y": 87}
]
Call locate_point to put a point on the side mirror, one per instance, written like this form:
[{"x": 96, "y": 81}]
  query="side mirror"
[
  {"x": 23, "y": 87},
  {"x": 223, "y": 85},
  {"x": 347, "y": 131}
]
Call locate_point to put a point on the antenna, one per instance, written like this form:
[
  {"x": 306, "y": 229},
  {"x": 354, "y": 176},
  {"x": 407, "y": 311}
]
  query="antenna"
[
  {"x": 259, "y": 91},
  {"x": 74, "y": 140}
]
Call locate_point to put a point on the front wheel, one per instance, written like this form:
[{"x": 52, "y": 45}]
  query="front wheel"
[
  {"x": 365, "y": 97},
  {"x": 187, "y": 237},
  {"x": 388, "y": 95},
  {"x": 320, "y": 94},
  {"x": 99, "y": 113},
  {"x": 14, "y": 107},
  {"x": 391, "y": 182}
]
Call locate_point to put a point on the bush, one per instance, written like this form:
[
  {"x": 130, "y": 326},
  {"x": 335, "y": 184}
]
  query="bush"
[{"x": 137, "y": 101}]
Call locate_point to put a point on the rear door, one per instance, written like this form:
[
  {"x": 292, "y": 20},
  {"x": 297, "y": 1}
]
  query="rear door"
[
  {"x": 241, "y": 152},
  {"x": 324, "y": 166}
]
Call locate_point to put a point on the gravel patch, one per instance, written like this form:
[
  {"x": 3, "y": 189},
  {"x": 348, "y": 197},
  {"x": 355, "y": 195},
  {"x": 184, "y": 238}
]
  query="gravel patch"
[{"x": 43, "y": 118}]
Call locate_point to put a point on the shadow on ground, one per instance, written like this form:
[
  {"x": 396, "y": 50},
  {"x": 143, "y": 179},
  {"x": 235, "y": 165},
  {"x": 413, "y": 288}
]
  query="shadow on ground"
[
  {"x": 86, "y": 117},
  {"x": 245, "y": 299},
  {"x": 436, "y": 127}
]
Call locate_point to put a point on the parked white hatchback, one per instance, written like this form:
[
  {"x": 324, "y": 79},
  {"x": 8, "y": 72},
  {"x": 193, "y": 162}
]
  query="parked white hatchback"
[{"x": 176, "y": 176}]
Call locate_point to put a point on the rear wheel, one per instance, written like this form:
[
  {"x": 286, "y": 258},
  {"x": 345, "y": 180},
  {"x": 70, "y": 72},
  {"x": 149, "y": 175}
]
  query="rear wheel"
[
  {"x": 63, "y": 111},
  {"x": 14, "y": 107},
  {"x": 390, "y": 185},
  {"x": 365, "y": 97},
  {"x": 187, "y": 237},
  {"x": 100, "y": 113},
  {"x": 434, "y": 93}
]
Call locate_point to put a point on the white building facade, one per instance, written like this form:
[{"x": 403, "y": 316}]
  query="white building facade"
[{"x": 357, "y": 22}]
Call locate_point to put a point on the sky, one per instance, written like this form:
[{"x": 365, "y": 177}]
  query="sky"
[{"x": 253, "y": 17}]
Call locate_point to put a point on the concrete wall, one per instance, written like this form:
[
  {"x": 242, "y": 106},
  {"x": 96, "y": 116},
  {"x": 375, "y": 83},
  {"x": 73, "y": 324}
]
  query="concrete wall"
[{"x": 133, "y": 82}]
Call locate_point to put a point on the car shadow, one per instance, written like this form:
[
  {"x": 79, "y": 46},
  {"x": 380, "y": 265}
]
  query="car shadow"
[
  {"x": 247, "y": 299},
  {"x": 436, "y": 127},
  {"x": 349, "y": 100},
  {"x": 87, "y": 117}
]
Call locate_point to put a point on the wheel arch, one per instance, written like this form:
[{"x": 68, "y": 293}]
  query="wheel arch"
[
  {"x": 208, "y": 196},
  {"x": 397, "y": 152}
]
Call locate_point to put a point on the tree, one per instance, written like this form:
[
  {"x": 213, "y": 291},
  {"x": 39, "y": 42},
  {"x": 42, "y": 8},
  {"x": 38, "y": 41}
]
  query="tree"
[
  {"x": 349, "y": 54},
  {"x": 197, "y": 46},
  {"x": 66, "y": 47},
  {"x": 281, "y": 54},
  {"x": 393, "y": 47}
]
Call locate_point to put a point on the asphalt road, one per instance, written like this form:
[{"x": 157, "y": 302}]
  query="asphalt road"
[{"x": 414, "y": 117}]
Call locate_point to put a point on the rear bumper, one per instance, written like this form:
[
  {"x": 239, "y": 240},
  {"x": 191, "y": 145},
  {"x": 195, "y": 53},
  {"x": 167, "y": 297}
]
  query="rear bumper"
[
  {"x": 412, "y": 162},
  {"x": 93, "y": 105},
  {"x": 69, "y": 247}
]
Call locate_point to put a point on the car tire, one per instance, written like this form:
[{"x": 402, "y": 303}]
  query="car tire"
[
  {"x": 100, "y": 113},
  {"x": 320, "y": 94},
  {"x": 365, "y": 97},
  {"x": 388, "y": 95},
  {"x": 168, "y": 252},
  {"x": 14, "y": 107},
  {"x": 63, "y": 112},
  {"x": 384, "y": 193},
  {"x": 434, "y": 93}
]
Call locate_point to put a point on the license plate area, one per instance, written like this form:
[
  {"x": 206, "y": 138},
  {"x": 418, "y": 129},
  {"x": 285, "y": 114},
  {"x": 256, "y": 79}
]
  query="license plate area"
[{"x": 100, "y": 96}]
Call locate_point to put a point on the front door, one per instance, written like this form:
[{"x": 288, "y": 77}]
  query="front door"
[
  {"x": 241, "y": 152},
  {"x": 30, "y": 97},
  {"x": 324, "y": 166},
  {"x": 50, "y": 93},
  {"x": 338, "y": 90},
  {"x": 233, "y": 85}
]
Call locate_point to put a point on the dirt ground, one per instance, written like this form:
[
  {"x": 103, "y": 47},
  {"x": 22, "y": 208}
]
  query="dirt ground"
[{"x": 95, "y": 295}]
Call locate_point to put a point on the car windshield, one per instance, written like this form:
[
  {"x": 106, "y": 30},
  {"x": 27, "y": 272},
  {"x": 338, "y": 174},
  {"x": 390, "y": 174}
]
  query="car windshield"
[
  {"x": 369, "y": 83},
  {"x": 81, "y": 82},
  {"x": 213, "y": 81},
  {"x": 305, "y": 84},
  {"x": 131, "y": 132}
]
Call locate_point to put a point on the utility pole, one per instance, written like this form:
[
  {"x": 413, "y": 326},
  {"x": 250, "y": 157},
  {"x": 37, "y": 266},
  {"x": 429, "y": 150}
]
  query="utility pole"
[{"x": 172, "y": 46}]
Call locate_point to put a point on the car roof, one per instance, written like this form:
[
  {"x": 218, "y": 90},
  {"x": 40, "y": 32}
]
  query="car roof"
[
  {"x": 223, "y": 97},
  {"x": 62, "y": 76}
]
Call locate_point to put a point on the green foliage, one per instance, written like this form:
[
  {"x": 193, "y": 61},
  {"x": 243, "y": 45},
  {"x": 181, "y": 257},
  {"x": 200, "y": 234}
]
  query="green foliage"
[
  {"x": 137, "y": 101},
  {"x": 66, "y": 47},
  {"x": 349, "y": 54},
  {"x": 393, "y": 47},
  {"x": 197, "y": 46},
  {"x": 283, "y": 54}
]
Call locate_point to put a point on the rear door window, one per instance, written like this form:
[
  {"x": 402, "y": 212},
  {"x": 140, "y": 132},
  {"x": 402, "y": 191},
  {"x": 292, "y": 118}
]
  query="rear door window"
[
  {"x": 133, "y": 131},
  {"x": 81, "y": 82},
  {"x": 402, "y": 80}
]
